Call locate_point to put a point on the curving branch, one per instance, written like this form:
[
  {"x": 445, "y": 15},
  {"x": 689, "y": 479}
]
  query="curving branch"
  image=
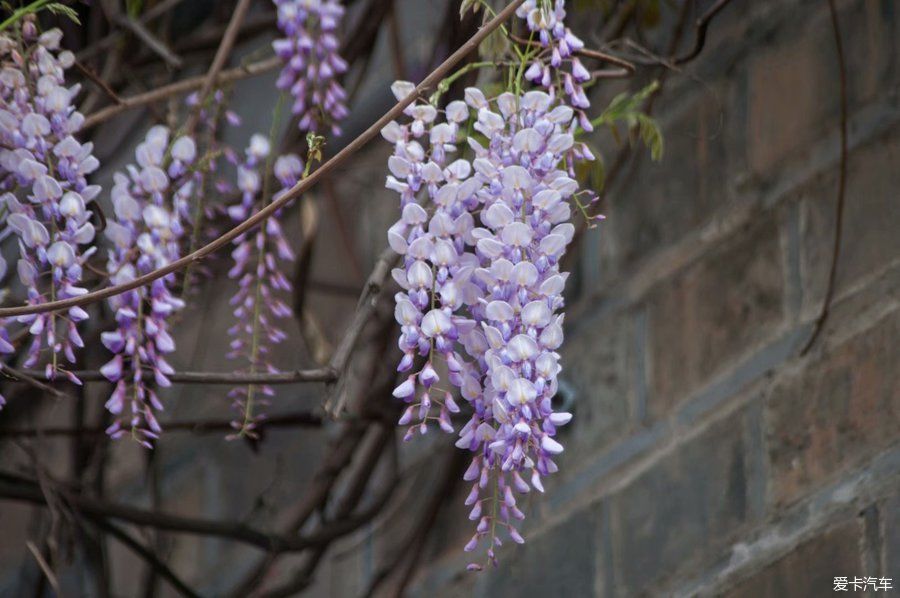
[
  {"x": 16, "y": 487},
  {"x": 287, "y": 420},
  {"x": 430, "y": 82},
  {"x": 841, "y": 190},
  {"x": 180, "y": 87},
  {"x": 325, "y": 374}
]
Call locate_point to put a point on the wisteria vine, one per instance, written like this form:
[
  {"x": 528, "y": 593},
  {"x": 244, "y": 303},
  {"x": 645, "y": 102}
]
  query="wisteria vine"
[{"x": 487, "y": 185}]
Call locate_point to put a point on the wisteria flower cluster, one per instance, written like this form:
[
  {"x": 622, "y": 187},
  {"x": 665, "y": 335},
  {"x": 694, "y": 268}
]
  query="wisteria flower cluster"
[
  {"x": 45, "y": 195},
  {"x": 548, "y": 23},
  {"x": 481, "y": 241},
  {"x": 146, "y": 235},
  {"x": 312, "y": 64},
  {"x": 258, "y": 260}
]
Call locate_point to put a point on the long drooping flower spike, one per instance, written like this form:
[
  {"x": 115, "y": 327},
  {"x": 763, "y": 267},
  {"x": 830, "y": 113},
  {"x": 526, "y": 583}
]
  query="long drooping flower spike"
[
  {"x": 546, "y": 19},
  {"x": 432, "y": 235},
  {"x": 45, "y": 193},
  {"x": 312, "y": 64},
  {"x": 146, "y": 233},
  {"x": 259, "y": 257},
  {"x": 482, "y": 241},
  {"x": 199, "y": 209},
  {"x": 524, "y": 213}
]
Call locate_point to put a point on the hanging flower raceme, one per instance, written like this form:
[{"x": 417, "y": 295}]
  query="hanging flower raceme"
[
  {"x": 42, "y": 171},
  {"x": 198, "y": 209},
  {"x": 524, "y": 213},
  {"x": 500, "y": 306},
  {"x": 146, "y": 234},
  {"x": 436, "y": 199},
  {"x": 312, "y": 63},
  {"x": 259, "y": 257},
  {"x": 545, "y": 19}
]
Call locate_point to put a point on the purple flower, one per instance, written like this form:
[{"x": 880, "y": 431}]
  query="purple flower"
[
  {"x": 43, "y": 187},
  {"x": 482, "y": 242},
  {"x": 436, "y": 277},
  {"x": 259, "y": 257},
  {"x": 547, "y": 22},
  {"x": 312, "y": 64},
  {"x": 146, "y": 234},
  {"x": 524, "y": 215}
]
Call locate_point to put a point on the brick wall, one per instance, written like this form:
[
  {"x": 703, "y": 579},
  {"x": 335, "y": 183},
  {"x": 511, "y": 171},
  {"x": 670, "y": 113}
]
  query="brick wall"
[{"x": 707, "y": 456}]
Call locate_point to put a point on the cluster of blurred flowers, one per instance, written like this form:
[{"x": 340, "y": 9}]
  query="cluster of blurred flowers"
[
  {"x": 258, "y": 260},
  {"x": 159, "y": 212},
  {"x": 146, "y": 233},
  {"x": 312, "y": 64},
  {"x": 481, "y": 241},
  {"x": 45, "y": 195}
]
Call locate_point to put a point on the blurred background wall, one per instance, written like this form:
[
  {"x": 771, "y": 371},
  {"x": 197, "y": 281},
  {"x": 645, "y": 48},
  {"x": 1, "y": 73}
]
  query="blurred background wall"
[{"x": 707, "y": 456}]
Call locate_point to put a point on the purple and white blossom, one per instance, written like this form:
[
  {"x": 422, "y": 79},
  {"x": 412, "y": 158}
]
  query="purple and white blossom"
[
  {"x": 437, "y": 269},
  {"x": 312, "y": 63},
  {"x": 482, "y": 241},
  {"x": 259, "y": 257},
  {"x": 545, "y": 18},
  {"x": 45, "y": 193},
  {"x": 524, "y": 233},
  {"x": 146, "y": 235}
]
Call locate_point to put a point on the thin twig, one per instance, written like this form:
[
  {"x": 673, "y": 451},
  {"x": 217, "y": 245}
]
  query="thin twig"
[
  {"x": 325, "y": 374},
  {"x": 154, "y": 43},
  {"x": 142, "y": 551},
  {"x": 44, "y": 566},
  {"x": 841, "y": 190},
  {"x": 31, "y": 377},
  {"x": 98, "y": 81},
  {"x": 104, "y": 43},
  {"x": 180, "y": 87},
  {"x": 288, "y": 420},
  {"x": 256, "y": 219}
]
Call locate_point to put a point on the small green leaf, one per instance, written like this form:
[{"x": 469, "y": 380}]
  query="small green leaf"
[
  {"x": 62, "y": 10},
  {"x": 467, "y": 5}
]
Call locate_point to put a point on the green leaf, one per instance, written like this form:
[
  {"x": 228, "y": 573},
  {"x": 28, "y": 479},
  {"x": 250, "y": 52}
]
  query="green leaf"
[
  {"x": 468, "y": 5},
  {"x": 628, "y": 109},
  {"x": 62, "y": 10}
]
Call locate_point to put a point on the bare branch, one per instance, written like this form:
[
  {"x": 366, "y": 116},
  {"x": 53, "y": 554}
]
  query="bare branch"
[
  {"x": 325, "y": 374},
  {"x": 427, "y": 84},
  {"x": 288, "y": 420},
  {"x": 180, "y": 87}
]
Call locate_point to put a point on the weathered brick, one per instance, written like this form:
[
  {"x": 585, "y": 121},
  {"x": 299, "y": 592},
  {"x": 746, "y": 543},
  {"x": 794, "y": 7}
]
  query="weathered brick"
[
  {"x": 869, "y": 31},
  {"x": 871, "y": 219},
  {"x": 714, "y": 311},
  {"x": 561, "y": 562},
  {"x": 687, "y": 506},
  {"x": 890, "y": 551},
  {"x": 809, "y": 569},
  {"x": 683, "y": 190},
  {"x": 787, "y": 109},
  {"x": 836, "y": 412},
  {"x": 598, "y": 363}
]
